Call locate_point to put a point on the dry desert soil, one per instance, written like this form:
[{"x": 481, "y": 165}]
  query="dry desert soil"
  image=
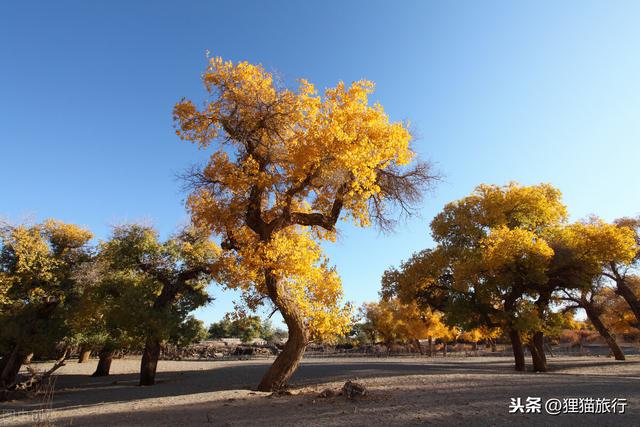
[{"x": 453, "y": 391}]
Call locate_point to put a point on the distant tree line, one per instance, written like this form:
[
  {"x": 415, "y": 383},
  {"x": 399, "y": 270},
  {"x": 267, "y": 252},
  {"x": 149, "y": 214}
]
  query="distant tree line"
[{"x": 247, "y": 328}]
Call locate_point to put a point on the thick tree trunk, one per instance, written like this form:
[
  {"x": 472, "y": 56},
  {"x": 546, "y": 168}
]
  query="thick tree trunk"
[
  {"x": 518, "y": 351},
  {"x": 538, "y": 343},
  {"x": 627, "y": 293},
  {"x": 84, "y": 354},
  {"x": 287, "y": 362},
  {"x": 12, "y": 366},
  {"x": 539, "y": 364},
  {"x": 536, "y": 346},
  {"x": 104, "y": 363},
  {"x": 149, "y": 362},
  {"x": 594, "y": 318},
  {"x": 430, "y": 346},
  {"x": 3, "y": 361},
  {"x": 444, "y": 348}
]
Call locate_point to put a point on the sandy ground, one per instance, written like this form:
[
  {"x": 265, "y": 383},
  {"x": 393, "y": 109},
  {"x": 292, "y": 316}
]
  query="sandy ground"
[{"x": 402, "y": 391}]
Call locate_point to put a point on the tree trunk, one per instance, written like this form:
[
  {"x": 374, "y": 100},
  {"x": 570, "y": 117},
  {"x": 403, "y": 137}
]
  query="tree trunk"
[
  {"x": 104, "y": 363},
  {"x": 84, "y": 354},
  {"x": 3, "y": 361},
  {"x": 627, "y": 293},
  {"x": 549, "y": 349},
  {"x": 149, "y": 363},
  {"x": 539, "y": 364},
  {"x": 594, "y": 318},
  {"x": 444, "y": 348},
  {"x": 518, "y": 351},
  {"x": 538, "y": 342},
  {"x": 494, "y": 347},
  {"x": 287, "y": 362},
  {"x": 430, "y": 346},
  {"x": 416, "y": 341},
  {"x": 12, "y": 366}
]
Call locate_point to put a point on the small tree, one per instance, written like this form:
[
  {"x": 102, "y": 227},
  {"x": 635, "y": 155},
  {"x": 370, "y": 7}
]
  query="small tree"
[
  {"x": 393, "y": 321},
  {"x": 190, "y": 331},
  {"x": 220, "y": 329},
  {"x": 237, "y": 325}
]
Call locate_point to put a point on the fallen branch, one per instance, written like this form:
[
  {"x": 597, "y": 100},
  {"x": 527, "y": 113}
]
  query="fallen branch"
[{"x": 34, "y": 383}]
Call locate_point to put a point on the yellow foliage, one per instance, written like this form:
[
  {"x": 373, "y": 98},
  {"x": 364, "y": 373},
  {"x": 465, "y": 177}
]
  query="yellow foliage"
[
  {"x": 601, "y": 242},
  {"x": 393, "y": 320},
  {"x": 531, "y": 208},
  {"x": 305, "y": 135},
  {"x": 480, "y": 334},
  {"x": 617, "y": 314},
  {"x": 503, "y": 246},
  {"x": 286, "y": 165},
  {"x": 39, "y": 258},
  {"x": 295, "y": 259}
]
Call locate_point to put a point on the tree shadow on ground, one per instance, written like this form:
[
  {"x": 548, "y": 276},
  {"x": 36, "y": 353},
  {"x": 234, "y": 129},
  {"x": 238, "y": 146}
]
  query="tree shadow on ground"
[
  {"x": 472, "y": 400},
  {"x": 80, "y": 390}
]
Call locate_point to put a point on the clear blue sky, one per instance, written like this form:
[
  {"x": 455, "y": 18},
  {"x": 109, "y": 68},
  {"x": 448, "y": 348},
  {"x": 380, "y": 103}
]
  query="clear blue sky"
[{"x": 539, "y": 91}]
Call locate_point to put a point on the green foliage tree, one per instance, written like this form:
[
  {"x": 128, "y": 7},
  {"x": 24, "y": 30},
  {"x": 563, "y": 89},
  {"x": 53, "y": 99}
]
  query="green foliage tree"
[
  {"x": 190, "y": 331},
  {"x": 242, "y": 326},
  {"x": 171, "y": 279},
  {"x": 37, "y": 287}
]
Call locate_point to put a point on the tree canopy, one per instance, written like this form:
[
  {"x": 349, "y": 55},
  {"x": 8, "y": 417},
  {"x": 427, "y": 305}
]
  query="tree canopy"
[{"x": 286, "y": 165}]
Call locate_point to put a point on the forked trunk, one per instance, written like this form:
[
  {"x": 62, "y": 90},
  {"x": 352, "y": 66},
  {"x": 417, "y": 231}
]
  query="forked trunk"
[
  {"x": 287, "y": 362},
  {"x": 518, "y": 351},
  {"x": 84, "y": 354},
  {"x": 149, "y": 363},
  {"x": 104, "y": 363},
  {"x": 12, "y": 366},
  {"x": 594, "y": 318}
]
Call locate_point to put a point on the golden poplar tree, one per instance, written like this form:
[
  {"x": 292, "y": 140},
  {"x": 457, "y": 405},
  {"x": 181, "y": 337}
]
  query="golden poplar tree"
[{"x": 285, "y": 166}]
